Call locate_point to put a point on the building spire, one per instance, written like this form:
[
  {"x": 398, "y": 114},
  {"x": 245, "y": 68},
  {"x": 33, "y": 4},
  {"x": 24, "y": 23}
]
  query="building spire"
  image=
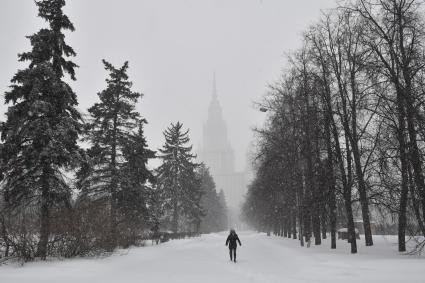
[{"x": 214, "y": 90}]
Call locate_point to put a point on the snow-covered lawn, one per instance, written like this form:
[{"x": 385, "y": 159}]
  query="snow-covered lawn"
[{"x": 205, "y": 259}]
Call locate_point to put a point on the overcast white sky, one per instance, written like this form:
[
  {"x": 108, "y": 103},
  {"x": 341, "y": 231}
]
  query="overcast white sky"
[{"x": 173, "y": 48}]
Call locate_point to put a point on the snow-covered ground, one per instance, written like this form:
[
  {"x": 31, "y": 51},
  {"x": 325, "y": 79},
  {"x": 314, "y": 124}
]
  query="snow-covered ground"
[{"x": 205, "y": 259}]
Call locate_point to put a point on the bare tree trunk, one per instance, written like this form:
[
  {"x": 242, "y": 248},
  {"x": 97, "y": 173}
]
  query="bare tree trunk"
[
  {"x": 175, "y": 221},
  {"x": 300, "y": 211},
  {"x": 316, "y": 227},
  {"x": 44, "y": 215},
  {"x": 5, "y": 236},
  {"x": 330, "y": 181},
  {"x": 415, "y": 204},
  {"x": 112, "y": 220},
  {"x": 44, "y": 226},
  {"x": 290, "y": 217},
  {"x": 404, "y": 181},
  {"x": 347, "y": 195},
  {"x": 294, "y": 225},
  {"x": 346, "y": 191},
  {"x": 324, "y": 226},
  {"x": 113, "y": 190},
  {"x": 6, "y": 215},
  {"x": 364, "y": 202},
  {"x": 306, "y": 204}
]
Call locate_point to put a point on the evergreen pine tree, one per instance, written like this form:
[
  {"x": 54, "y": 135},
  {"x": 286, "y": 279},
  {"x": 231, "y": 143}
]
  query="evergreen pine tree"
[
  {"x": 42, "y": 127},
  {"x": 118, "y": 153},
  {"x": 178, "y": 183},
  {"x": 135, "y": 196}
]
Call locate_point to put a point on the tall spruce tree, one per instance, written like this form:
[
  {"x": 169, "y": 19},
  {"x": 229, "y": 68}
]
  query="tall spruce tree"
[
  {"x": 178, "y": 184},
  {"x": 118, "y": 152},
  {"x": 136, "y": 196},
  {"x": 42, "y": 127}
]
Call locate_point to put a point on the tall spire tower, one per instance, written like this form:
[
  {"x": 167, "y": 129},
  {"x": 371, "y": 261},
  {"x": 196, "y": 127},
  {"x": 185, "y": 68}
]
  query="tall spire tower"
[
  {"x": 217, "y": 152},
  {"x": 214, "y": 91}
]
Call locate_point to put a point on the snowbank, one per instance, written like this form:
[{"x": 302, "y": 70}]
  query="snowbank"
[{"x": 205, "y": 259}]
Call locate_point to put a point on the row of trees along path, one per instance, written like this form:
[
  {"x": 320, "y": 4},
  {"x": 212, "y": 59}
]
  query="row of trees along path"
[{"x": 344, "y": 135}]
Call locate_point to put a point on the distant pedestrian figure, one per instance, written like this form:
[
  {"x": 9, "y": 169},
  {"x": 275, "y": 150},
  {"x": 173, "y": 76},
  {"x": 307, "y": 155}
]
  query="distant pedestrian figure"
[{"x": 231, "y": 241}]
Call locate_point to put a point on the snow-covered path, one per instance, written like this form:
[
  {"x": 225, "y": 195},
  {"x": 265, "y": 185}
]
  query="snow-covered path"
[{"x": 205, "y": 259}]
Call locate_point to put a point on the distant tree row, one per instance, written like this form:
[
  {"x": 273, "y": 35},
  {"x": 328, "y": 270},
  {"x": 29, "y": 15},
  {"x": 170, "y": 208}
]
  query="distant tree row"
[
  {"x": 60, "y": 199},
  {"x": 345, "y": 131},
  {"x": 214, "y": 204}
]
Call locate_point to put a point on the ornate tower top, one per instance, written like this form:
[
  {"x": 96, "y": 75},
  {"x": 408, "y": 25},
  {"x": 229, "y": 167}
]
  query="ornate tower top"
[
  {"x": 214, "y": 88},
  {"x": 216, "y": 145}
]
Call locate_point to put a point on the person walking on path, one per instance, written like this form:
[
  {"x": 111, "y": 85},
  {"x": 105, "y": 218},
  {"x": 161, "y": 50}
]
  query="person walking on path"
[{"x": 231, "y": 241}]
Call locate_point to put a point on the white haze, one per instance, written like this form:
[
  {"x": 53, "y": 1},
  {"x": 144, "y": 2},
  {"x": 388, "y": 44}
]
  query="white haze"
[{"x": 173, "y": 48}]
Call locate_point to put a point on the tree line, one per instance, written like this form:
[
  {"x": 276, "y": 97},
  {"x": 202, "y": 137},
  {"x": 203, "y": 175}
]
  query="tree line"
[
  {"x": 73, "y": 185},
  {"x": 344, "y": 137}
]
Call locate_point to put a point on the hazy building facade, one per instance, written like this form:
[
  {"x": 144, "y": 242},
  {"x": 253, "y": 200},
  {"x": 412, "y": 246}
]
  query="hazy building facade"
[{"x": 217, "y": 153}]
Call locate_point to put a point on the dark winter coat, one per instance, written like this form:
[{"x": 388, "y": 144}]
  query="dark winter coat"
[{"x": 231, "y": 241}]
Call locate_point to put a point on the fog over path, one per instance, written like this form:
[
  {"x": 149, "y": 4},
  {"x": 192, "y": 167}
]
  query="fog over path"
[{"x": 205, "y": 259}]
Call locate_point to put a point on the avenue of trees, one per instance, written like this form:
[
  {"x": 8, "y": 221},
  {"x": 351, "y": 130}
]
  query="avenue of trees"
[
  {"x": 344, "y": 137},
  {"x": 71, "y": 186}
]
